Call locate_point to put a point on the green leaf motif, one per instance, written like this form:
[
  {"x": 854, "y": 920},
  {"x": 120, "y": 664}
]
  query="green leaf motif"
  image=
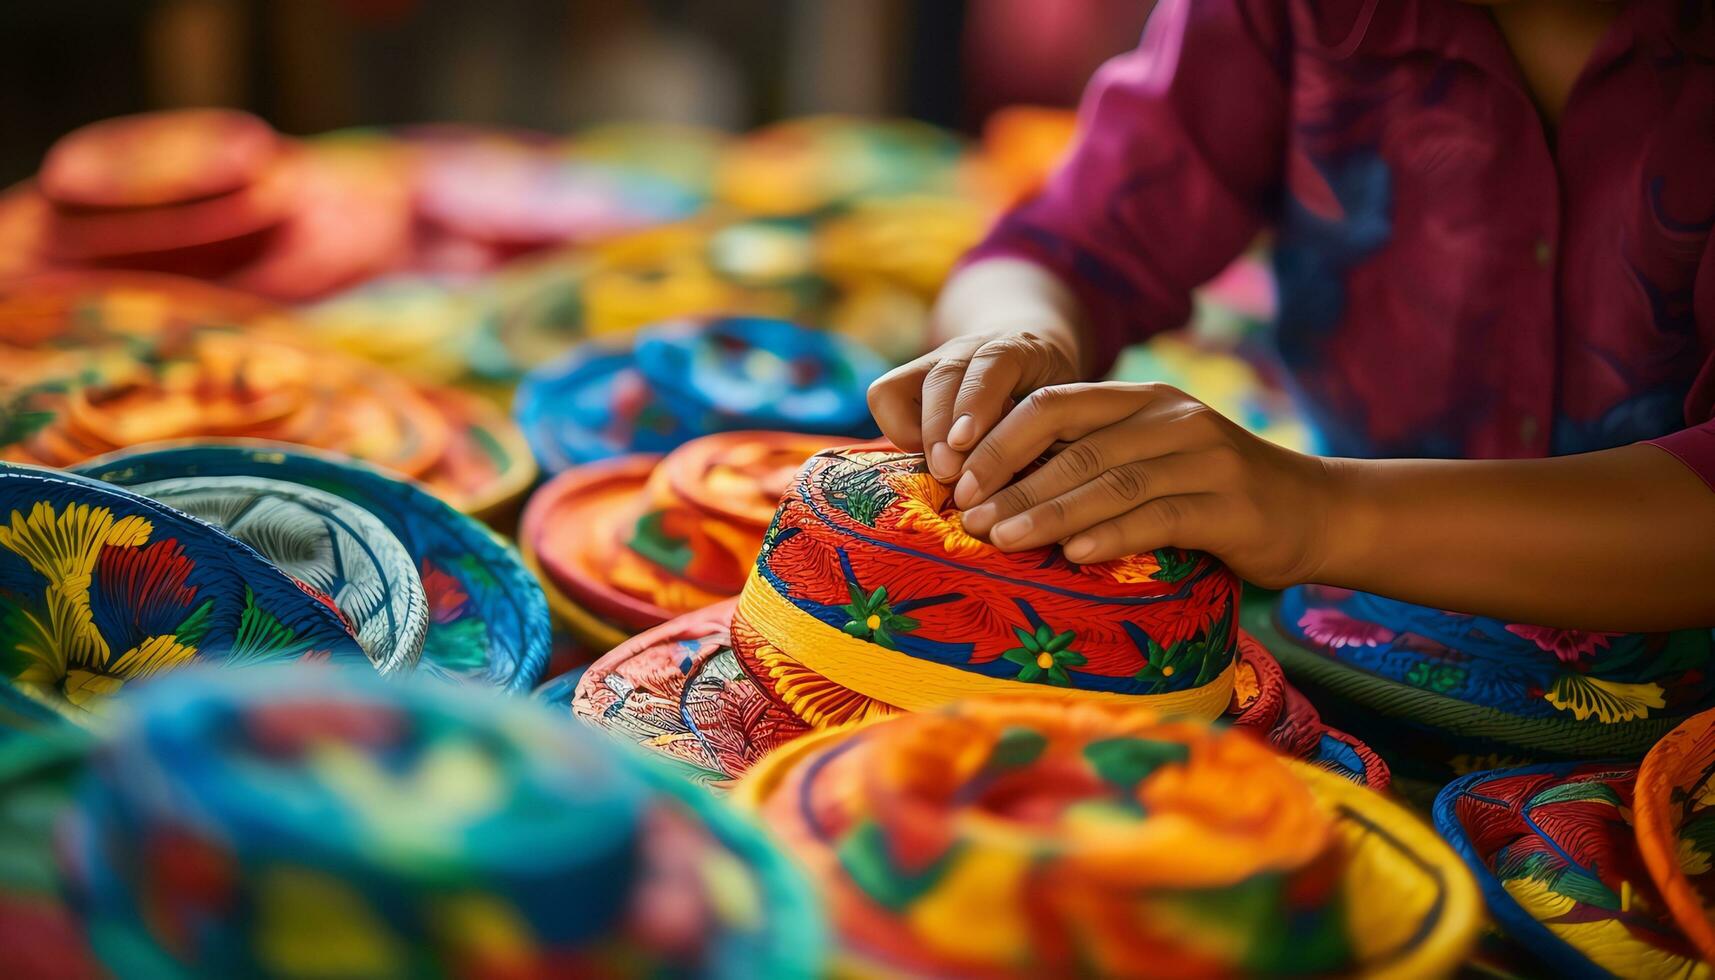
[
  {"x": 1125, "y": 762},
  {"x": 1577, "y": 792},
  {"x": 1175, "y": 565},
  {"x": 262, "y": 637},
  {"x": 864, "y": 855},
  {"x": 650, "y": 539}
]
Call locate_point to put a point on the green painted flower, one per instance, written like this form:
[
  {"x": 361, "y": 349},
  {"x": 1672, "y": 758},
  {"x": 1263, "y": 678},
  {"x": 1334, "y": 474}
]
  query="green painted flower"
[
  {"x": 1190, "y": 663},
  {"x": 871, "y": 618},
  {"x": 1044, "y": 655}
]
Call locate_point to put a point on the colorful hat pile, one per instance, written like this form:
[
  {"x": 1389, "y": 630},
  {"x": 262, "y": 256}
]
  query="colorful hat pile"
[
  {"x": 1449, "y": 692},
  {"x": 313, "y": 823},
  {"x": 1598, "y": 868},
  {"x": 215, "y": 194},
  {"x": 101, "y": 588},
  {"x": 868, "y": 599},
  {"x": 625, "y": 545},
  {"x": 684, "y": 379},
  {"x": 90, "y": 364},
  {"x": 445, "y": 589},
  {"x": 489, "y": 198},
  {"x": 1023, "y": 837}
]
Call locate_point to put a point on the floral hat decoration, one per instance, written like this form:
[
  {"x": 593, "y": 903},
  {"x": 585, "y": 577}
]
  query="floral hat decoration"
[
  {"x": 1021, "y": 837},
  {"x": 1444, "y": 690},
  {"x": 868, "y": 599},
  {"x": 1563, "y": 852},
  {"x": 100, "y": 588},
  {"x": 325, "y": 823},
  {"x": 487, "y": 620}
]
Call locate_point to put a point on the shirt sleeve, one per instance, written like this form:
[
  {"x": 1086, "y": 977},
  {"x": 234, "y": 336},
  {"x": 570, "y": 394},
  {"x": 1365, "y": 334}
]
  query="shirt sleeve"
[
  {"x": 1178, "y": 163},
  {"x": 1695, "y": 446}
]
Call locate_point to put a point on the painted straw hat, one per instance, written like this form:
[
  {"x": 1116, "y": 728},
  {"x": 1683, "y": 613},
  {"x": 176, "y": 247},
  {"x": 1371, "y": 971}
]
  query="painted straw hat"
[
  {"x": 627, "y": 544},
  {"x": 1559, "y": 852},
  {"x": 487, "y": 618},
  {"x": 1446, "y": 691},
  {"x": 317, "y": 822},
  {"x": 94, "y": 362},
  {"x": 1021, "y": 837},
  {"x": 687, "y": 378},
  {"x": 100, "y": 588},
  {"x": 326, "y": 542},
  {"x": 868, "y": 599},
  {"x": 1673, "y": 808}
]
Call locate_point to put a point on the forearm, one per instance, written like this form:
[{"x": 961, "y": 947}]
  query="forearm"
[
  {"x": 1007, "y": 294},
  {"x": 1622, "y": 540}
]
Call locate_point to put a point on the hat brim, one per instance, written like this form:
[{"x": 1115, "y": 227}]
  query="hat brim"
[
  {"x": 489, "y": 620},
  {"x": 1668, "y": 800},
  {"x": 1555, "y": 831},
  {"x": 680, "y": 690},
  {"x": 1423, "y": 925}
]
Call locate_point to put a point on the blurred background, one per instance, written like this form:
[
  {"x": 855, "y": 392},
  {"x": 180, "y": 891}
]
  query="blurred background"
[{"x": 315, "y": 65}]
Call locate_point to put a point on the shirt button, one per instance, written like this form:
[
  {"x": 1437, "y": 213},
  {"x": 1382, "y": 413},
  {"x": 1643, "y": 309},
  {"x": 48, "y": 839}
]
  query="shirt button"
[
  {"x": 1544, "y": 252},
  {"x": 1527, "y": 428}
]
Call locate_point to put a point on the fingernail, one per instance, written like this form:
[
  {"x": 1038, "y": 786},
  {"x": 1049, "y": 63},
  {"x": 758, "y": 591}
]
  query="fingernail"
[
  {"x": 1012, "y": 529},
  {"x": 943, "y": 461},
  {"x": 967, "y": 493},
  {"x": 963, "y": 432},
  {"x": 1078, "y": 549}
]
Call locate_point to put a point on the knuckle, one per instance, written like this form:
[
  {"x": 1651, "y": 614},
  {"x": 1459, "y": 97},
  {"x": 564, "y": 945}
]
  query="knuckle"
[
  {"x": 1082, "y": 461},
  {"x": 1058, "y": 510},
  {"x": 1128, "y": 482},
  {"x": 987, "y": 458},
  {"x": 1167, "y": 512},
  {"x": 1016, "y": 499}
]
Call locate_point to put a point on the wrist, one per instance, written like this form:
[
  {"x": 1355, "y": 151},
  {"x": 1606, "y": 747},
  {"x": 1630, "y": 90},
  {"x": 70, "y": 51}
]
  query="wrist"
[{"x": 1352, "y": 522}]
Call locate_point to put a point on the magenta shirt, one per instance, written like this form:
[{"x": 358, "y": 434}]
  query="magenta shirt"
[{"x": 1454, "y": 282}]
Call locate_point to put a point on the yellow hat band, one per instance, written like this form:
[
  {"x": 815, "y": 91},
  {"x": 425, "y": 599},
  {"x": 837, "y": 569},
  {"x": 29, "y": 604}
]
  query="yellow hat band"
[{"x": 919, "y": 685}]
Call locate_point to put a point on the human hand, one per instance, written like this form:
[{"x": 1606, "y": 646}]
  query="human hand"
[
  {"x": 944, "y": 402},
  {"x": 1146, "y": 466}
]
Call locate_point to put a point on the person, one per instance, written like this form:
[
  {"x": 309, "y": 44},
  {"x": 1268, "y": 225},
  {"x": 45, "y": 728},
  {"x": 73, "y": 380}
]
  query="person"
[{"x": 1491, "y": 232}]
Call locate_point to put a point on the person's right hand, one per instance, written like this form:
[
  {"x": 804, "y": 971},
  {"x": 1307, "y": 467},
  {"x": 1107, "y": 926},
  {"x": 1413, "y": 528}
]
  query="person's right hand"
[{"x": 943, "y": 403}]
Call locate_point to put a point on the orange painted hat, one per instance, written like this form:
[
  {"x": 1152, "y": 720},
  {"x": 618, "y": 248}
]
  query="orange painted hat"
[
  {"x": 1673, "y": 809},
  {"x": 869, "y": 599},
  {"x": 158, "y": 158},
  {"x": 1016, "y": 837},
  {"x": 630, "y": 543}
]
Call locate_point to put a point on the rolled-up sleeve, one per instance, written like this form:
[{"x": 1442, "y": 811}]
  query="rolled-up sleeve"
[{"x": 1176, "y": 167}]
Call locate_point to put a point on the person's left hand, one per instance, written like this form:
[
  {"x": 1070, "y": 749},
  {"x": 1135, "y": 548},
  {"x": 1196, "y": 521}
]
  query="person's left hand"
[{"x": 1146, "y": 466}]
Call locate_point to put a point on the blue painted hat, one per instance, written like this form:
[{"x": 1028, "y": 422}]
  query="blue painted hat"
[
  {"x": 487, "y": 617},
  {"x": 688, "y": 378},
  {"x": 328, "y": 825},
  {"x": 101, "y": 587}
]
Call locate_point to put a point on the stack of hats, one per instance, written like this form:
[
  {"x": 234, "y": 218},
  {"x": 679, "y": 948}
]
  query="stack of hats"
[
  {"x": 414, "y": 577},
  {"x": 625, "y": 545},
  {"x": 1023, "y": 837},
  {"x": 316, "y": 823},
  {"x": 869, "y": 599},
  {"x": 684, "y": 379},
  {"x": 98, "y": 362},
  {"x": 1598, "y": 868},
  {"x": 215, "y": 194}
]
